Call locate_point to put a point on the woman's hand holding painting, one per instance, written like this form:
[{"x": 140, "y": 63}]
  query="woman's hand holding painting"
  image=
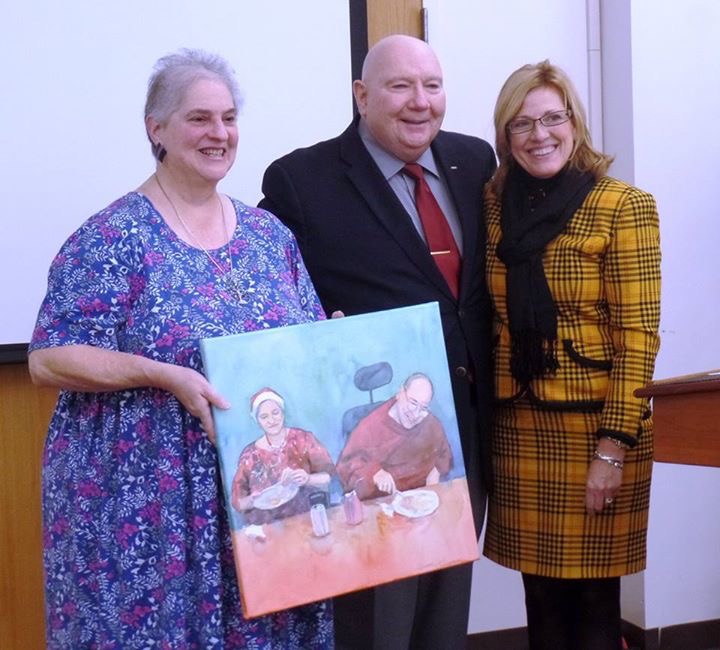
[{"x": 195, "y": 393}]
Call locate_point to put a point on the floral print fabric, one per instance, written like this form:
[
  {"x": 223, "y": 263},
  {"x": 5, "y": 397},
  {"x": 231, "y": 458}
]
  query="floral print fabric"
[{"x": 136, "y": 543}]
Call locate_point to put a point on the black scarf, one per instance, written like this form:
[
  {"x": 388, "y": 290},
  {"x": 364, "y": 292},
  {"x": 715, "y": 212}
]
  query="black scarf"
[{"x": 534, "y": 212}]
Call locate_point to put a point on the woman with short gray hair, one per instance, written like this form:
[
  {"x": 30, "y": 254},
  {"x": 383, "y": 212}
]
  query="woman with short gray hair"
[{"x": 136, "y": 539}]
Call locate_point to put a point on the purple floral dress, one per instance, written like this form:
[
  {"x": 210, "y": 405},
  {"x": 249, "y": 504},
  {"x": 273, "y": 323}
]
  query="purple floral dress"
[{"x": 136, "y": 543}]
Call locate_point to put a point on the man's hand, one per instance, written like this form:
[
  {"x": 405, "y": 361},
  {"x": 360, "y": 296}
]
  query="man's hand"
[
  {"x": 433, "y": 477},
  {"x": 384, "y": 481}
]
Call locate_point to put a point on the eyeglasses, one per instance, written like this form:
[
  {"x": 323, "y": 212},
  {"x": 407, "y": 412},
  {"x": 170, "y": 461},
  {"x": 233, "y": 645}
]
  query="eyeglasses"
[
  {"x": 418, "y": 407},
  {"x": 549, "y": 120}
]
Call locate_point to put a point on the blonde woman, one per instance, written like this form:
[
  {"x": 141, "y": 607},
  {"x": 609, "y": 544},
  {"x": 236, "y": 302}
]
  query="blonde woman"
[{"x": 573, "y": 267}]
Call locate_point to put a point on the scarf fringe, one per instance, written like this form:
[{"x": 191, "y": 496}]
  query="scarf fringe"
[{"x": 532, "y": 356}]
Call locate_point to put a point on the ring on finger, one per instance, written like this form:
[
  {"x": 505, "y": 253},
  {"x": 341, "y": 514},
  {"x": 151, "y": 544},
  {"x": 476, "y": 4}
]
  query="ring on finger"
[{"x": 608, "y": 500}]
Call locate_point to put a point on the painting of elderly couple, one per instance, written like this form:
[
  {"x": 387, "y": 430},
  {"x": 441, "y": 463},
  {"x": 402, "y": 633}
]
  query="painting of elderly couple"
[{"x": 340, "y": 455}]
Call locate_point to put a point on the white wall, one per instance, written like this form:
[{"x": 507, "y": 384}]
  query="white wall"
[
  {"x": 660, "y": 104},
  {"x": 480, "y": 43},
  {"x": 71, "y": 116}
]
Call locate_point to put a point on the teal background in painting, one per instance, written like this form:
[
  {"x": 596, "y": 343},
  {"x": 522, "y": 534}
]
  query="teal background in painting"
[{"x": 313, "y": 367}]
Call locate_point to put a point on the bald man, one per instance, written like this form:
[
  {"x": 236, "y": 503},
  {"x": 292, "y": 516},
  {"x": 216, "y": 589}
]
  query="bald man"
[
  {"x": 352, "y": 208},
  {"x": 400, "y": 445}
]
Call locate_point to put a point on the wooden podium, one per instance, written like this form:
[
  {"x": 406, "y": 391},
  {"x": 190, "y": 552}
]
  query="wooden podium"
[{"x": 686, "y": 411}]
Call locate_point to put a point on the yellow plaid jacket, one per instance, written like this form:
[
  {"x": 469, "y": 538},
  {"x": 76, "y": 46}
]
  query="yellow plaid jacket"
[{"x": 604, "y": 275}]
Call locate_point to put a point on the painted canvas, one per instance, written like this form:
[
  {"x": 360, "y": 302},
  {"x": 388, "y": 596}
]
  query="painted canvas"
[{"x": 340, "y": 455}]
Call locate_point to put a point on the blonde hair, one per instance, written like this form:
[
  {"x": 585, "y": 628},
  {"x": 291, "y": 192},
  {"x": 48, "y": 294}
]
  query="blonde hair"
[{"x": 583, "y": 157}]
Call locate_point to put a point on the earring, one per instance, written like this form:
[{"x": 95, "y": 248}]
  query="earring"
[{"x": 159, "y": 151}]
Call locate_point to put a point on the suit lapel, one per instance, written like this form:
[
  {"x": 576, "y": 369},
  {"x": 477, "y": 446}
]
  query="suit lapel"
[{"x": 384, "y": 204}]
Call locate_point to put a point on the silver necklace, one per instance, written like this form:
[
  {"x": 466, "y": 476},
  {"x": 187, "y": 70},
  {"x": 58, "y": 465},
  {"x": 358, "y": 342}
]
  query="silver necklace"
[
  {"x": 277, "y": 457},
  {"x": 228, "y": 277}
]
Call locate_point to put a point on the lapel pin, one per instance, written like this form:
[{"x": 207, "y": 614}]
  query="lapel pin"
[{"x": 453, "y": 167}]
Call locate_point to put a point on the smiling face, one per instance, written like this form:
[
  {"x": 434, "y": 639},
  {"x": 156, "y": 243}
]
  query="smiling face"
[
  {"x": 271, "y": 418},
  {"x": 401, "y": 96},
  {"x": 201, "y": 135},
  {"x": 543, "y": 151},
  {"x": 412, "y": 403}
]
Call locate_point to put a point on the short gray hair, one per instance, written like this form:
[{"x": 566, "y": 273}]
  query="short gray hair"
[
  {"x": 415, "y": 376},
  {"x": 174, "y": 73}
]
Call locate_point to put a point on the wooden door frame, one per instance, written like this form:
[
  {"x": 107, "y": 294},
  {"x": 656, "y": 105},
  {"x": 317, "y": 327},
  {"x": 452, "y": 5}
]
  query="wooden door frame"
[{"x": 371, "y": 20}]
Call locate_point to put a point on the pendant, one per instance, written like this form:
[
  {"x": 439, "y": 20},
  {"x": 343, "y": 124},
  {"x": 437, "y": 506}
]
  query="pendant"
[{"x": 231, "y": 285}]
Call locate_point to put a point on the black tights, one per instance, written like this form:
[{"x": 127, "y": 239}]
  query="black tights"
[{"x": 582, "y": 614}]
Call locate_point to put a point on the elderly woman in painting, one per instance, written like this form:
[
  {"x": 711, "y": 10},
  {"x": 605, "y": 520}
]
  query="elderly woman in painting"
[{"x": 277, "y": 472}]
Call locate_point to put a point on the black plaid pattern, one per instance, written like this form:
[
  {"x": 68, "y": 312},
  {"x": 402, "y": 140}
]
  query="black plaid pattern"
[
  {"x": 604, "y": 274},
  {"x": 536, "y": 517}
]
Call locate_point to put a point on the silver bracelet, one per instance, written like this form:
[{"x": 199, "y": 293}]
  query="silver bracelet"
[
  {"x": 618, "y": 464},
  {"x": 618, "y": 443}
]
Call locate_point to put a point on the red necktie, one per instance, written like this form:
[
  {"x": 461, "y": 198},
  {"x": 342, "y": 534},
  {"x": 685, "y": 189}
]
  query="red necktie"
[{"x": 437, "y": 230}]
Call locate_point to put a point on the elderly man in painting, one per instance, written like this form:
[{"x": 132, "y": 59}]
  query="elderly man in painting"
[
  {"x": 277, "y": 472},
  {"x": 399, "y": 446}
]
